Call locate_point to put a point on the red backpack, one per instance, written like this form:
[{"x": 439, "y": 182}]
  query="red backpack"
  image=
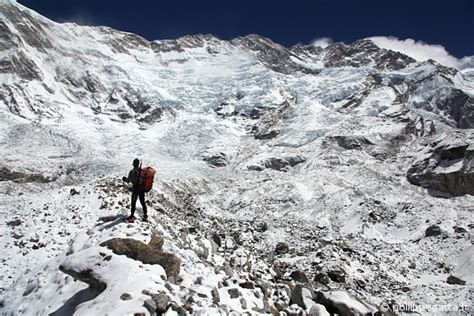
[{"x": 145, "y": 178}]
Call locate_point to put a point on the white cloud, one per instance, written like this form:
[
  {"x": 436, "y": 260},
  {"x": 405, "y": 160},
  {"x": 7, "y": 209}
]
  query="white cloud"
[
  {"x": 421, "y": 51},
  {"x": 322, "y": 42}
]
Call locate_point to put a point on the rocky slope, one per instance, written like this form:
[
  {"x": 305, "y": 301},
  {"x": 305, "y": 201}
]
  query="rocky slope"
[{"x": 334, "y": 179}]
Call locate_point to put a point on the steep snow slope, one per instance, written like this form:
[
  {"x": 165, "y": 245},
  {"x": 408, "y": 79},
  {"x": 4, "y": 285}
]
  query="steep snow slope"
[{"x": 312, "y": 143}]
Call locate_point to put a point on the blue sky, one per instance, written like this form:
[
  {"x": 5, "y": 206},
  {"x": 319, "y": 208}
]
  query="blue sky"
[{"x": 447, "y": 23}]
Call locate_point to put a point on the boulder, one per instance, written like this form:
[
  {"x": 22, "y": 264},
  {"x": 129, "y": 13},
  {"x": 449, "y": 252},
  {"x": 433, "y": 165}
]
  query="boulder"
[
  {"x": 215, "y": 296},
  {"x": 322, "y": 278},
  {"x": 162, "y": 302},
  {"x": 455, "y": 280},
  {"x": 337, "y": 275},
  {"x": 318, "y": 310},
  {"x": 137, "y": 250},
  {"x": 433, "y": 230},
  {"x": 150, "y": 305},
  {"x": 234, "y": 293},
  {"x": 302, "y": 295},
  {"x": 157, "y": 242},
  {"x": 281, "y": 248},
  {"x": 247, "y": 285},
  {"x": 16, "y": 222},
  {"x": 299, "y": 276},
  {"x": 261, "y": 227},
  {"x": 125, "y": 297},
  {"x": 342, "y": 303},
  {"x": 459, "y": 230}
]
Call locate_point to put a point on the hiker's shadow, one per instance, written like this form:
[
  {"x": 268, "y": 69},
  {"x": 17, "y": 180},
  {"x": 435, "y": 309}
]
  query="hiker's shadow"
[
  {"x": 110, "y": 220},
  {"x": 72, "y": 303}
]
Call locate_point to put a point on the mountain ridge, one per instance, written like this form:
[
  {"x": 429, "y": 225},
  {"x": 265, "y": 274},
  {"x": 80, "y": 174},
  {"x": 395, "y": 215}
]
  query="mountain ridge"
[{"x": 287, "y": 177}]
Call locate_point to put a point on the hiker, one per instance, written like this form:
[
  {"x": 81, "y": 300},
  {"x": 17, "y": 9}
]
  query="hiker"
[{"x": 137, "y": 192}]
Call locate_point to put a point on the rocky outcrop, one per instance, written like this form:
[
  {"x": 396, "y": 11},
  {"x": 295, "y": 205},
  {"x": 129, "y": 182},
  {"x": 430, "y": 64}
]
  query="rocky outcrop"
[
  {"x": 351, "y": 142},
  {"x": 21, "y": 65},
  {"x": 447, "y": 166},
  {"x": 460, "y": 107},
  {"x": 282, "y": 164},
  {"x": 359, "y": 53},
  {"x": 276, "y": 57},
  {"x": 217, "y": 160},
  {"x": 23, "y": 177},
  {"x": 146, "y": 253},
  {"x": 31, "y": 29},
  {"x": 269, "y": 119},
  {"x": 184, "y": 42}
]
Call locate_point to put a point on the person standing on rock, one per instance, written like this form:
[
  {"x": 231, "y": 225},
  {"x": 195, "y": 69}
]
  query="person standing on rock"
[{"x": 137, "y": 192}]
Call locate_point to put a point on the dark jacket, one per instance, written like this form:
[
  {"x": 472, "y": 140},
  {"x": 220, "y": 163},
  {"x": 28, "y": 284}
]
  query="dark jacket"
[{"x": 133, "y": 178}]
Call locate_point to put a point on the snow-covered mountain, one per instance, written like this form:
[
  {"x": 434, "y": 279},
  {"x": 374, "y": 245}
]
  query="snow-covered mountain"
[{"x": 304, "y": 178}]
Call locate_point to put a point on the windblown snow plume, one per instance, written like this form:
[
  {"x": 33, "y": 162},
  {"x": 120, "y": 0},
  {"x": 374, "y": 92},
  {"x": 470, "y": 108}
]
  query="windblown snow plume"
[
  {"x": 322, "y": 42},
  {"x": 422, "y": 51}
]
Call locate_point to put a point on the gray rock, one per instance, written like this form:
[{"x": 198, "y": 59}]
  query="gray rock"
[
  {"x": 217, "y": 239},
  {"x": 243, "y": 303},
  {"x": 302, "y": 295},
  {"x": 342, "y": 303},
  {"x": 162, "y": 302},
  {"x": 152, "y": 116},
  {"x": 234, "y": 293},
  {"x": 90, "y": 231},
  {"x": 455, "y": 280},
  {"x": 178, "y": 309},
  {"x": 247, "y": 285},
  {"x": 16, "y": 222},
  {"x": 318, "y": 310},
  {"x": 125, "y": 297},
  {"x": 215, "y": 296},
  {"x": 150, "y": 305},
  {"x": 199, "y": 280},
  {"x": 30, "y": 287},
  {"x": 433, "y": 230},
  {"x": 281, "y": 248},
  {"x": 299, "y": 276},
  {"x": 460, "y": 230},
  {"x": 337, "y": 275},
  {"x": 322, "y": 278},
  {"x": 261, "y": 227},
  {"x": 17, "y": 235}
]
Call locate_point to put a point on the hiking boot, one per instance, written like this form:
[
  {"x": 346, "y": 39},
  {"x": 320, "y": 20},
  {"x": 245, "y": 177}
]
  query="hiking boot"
[
  {"x": 131, "y": 219},
  {"x": 145, "y": 219}
]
